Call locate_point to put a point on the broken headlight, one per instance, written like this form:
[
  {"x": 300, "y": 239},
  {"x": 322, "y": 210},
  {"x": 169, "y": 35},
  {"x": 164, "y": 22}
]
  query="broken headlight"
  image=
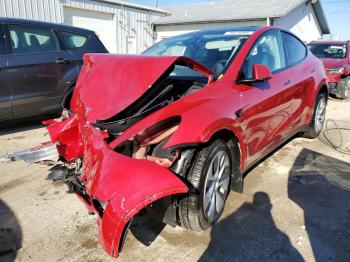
[
  {"x": 149, "y": 143},
  {"x": 336, "y": 70}
]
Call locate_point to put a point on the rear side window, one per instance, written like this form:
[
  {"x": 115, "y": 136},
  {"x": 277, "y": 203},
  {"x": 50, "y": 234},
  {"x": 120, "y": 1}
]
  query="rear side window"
[
  {"x": 296, "y": 50},
  {"x": 73, "y": 40},
  {"x": 30, "y": 39}
]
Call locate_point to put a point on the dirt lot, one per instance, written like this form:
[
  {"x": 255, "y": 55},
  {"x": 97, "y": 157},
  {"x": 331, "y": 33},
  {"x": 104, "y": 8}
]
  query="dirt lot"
[{"x": 295, "y": 207}]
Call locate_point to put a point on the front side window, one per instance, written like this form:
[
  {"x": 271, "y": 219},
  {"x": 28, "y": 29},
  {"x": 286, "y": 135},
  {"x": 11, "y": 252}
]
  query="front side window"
[
  {"x": 268, "y": 50},
  {"x": 337, "y": 51},
  {"x": 73, "y": 40},
  {"x": 30, "y": 39},
  {"x": 214, "y": 50},
  {"x": 296, "y": 51}
]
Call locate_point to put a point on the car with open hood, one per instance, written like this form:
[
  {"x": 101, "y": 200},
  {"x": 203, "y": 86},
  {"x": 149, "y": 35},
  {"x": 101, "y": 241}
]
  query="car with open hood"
[
  {"x": 173, "y": 130},
  {"x": 335, "y": 56}
]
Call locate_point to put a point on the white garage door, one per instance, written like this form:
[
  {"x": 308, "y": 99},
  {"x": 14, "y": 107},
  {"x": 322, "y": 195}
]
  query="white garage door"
[{"x": 102, "y": 23}]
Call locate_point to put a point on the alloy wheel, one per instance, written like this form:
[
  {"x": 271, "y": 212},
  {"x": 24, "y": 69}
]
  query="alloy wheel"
[
  {"x": 347, "y": 89},
  {"x": 216, "y": 185},
  {"x": 320, "y": 115}
]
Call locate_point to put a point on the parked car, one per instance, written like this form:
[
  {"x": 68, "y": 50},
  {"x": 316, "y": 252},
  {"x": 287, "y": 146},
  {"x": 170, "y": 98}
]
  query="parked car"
[
  {"x": 174, "y": 130},
  {"x": 39, "y": 62},
  {"x": 336, "y": 59}
]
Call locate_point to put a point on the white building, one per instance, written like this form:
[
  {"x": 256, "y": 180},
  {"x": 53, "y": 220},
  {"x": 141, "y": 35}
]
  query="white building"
[
  {"x": 123, "y": 27},
  {"x": 304, "y": 18}
]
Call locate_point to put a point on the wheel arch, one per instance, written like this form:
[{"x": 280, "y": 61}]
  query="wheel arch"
[
  {"x": 235, "y": 147},
  {"x": 323, "y": 89}
]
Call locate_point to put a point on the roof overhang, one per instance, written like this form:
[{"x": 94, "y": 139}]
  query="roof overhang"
[
  {"x": 210, "y": 21},
  {"x": 321, "y": 17},
  {"x": 135, "y": 6}
]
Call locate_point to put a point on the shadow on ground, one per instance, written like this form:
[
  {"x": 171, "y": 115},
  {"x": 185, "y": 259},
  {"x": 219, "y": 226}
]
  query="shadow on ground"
[
  {"x": 250, "y": 234},
  {"x": 320, "y": 185},
  {"x": 14, "y": 126},
  {"x": 10, "y": 234}
]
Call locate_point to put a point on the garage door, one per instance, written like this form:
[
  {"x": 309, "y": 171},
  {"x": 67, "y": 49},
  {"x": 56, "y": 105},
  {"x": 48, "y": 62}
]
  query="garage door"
[{"x": 102, "y": 23}]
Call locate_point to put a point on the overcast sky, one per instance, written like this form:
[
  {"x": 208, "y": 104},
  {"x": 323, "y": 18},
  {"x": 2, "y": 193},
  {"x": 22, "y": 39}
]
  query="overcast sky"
[{"x": 337, "y": 12}]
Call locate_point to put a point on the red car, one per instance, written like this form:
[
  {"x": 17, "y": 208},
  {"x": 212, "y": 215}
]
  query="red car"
[
  {"x": 335, "y": 56},
  {"x": 172, "y": 131}
]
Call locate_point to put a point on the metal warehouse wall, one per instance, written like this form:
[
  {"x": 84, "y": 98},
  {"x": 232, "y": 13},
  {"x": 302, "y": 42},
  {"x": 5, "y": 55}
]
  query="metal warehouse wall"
[
  {"x": 129, "y": 21},
  {"x": 301, "y": 21}
]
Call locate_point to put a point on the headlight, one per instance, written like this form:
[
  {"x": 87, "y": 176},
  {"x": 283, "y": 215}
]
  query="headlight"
[
  {"x": 149, "y": 143},
  {"x": 336, "y": 70}
]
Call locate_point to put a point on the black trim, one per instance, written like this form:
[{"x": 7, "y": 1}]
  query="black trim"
[{"x": 123, "y": 236}]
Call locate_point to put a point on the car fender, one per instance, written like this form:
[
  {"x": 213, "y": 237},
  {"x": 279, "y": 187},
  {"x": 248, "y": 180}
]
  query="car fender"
[
  {"x": 125, "y": 184},
  {"x": 204, "y": 133},
  {"x": 120, "y": 210}
]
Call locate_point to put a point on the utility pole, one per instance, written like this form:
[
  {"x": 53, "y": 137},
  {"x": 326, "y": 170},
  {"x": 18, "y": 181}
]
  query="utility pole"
[{"x": 155, "y": 3}]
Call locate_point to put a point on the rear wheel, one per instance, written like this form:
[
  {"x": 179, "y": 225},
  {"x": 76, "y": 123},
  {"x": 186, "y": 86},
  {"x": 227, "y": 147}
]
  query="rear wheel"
[
  {"x": 210, "y": 176},
  {"x": 318, "y": 117},
  {"x": 344, "y": 88}
]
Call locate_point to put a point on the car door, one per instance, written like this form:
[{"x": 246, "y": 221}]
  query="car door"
[
  {"x": 301, "y": 75},
  {"x": 5, "y": 87},
  {"x": 266, "y": 105},
  {"x": 37, "y": 66}
]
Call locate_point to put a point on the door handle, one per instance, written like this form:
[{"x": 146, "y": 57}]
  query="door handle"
[
  {"x": 62, "y": 61},
  {"x": 287, "y": 83}
]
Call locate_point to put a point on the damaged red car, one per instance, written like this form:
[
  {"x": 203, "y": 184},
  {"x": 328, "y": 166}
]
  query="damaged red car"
[
  {"x": 336, "y": 59},
  {"x": 173, "y": 130}
]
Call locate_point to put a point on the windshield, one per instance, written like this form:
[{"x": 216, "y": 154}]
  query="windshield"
[
  {"x": 212, "y": 49},
  {"x": 328, "y": 50}
]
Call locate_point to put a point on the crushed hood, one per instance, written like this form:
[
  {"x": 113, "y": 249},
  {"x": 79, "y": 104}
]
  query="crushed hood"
[
  {"x": 109, "y": 83},
  {"x": 333, "y": 62}
]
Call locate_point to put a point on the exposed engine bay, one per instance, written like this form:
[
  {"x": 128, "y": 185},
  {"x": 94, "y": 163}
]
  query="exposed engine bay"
[{"x": 165, "y": 91}]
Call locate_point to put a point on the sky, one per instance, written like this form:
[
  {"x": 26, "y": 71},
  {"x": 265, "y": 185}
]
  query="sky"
[{"x": 337, "y": 12}]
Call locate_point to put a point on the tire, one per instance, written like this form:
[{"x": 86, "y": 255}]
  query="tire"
[
  {"x": 344, "y": 88},
  {"x": 194, "y": 210},
  {"x": 318, "y": 117}
]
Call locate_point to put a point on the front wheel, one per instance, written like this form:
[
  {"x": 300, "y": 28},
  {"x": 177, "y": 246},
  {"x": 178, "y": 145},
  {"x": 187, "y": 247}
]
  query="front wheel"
[
  {"x": 318, "y": 117},
  {"x": 344, "y": 88},
  {"x": 210, "y": 177}
]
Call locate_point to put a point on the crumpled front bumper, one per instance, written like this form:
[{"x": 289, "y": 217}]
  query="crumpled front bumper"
[
  {"x": 333, "y": 82},
  {"x": 124, "y": 184}
]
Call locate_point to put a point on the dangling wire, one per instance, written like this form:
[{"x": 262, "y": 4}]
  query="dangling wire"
[{"x": 329, "y": 141}]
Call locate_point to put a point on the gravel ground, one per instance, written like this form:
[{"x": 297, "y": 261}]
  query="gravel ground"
[{"x": 295, "y": 207}]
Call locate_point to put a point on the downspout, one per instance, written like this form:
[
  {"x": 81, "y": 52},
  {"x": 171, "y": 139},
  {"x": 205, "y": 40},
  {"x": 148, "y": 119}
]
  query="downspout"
[{"x": 268, "y": 21}]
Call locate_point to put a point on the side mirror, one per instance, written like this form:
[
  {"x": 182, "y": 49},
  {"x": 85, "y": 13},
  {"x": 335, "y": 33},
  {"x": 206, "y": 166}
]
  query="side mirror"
[{"x": 260, "y": 73}]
